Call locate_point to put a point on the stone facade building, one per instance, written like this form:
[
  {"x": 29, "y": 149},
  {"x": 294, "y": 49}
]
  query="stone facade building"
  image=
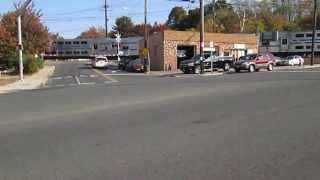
[{"x": 169, "y": 48}]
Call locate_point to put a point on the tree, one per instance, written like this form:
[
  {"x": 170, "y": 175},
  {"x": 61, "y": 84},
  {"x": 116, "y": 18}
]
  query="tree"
[
  {"x": 124, "y": 26},
  {"x": 93, "y": 32},
  {"x": 176, "y": 18},
  {"x": 36, "y": 36}
]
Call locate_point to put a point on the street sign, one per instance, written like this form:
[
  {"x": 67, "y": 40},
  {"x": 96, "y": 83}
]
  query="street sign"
[
  {"x": 118, "y": 38},
  {"x": 144, "y": 52}
]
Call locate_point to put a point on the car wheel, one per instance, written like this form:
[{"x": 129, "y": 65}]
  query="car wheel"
[
  {"x": 226, "y": 67},
  {"x": 252, "y": 69},
  {"x": 270, "y": 67},
  {"x": 197, "y": 70}
]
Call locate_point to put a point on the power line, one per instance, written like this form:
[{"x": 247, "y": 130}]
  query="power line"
[{"x": 77, "y": 11}]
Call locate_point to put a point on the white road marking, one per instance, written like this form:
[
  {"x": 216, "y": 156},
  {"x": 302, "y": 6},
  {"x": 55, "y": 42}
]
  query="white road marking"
[
  {"x": 83, "y": 76},
  {"x": 60, "y": 85},
  {"x": 89, "y": 83},
  {"x": 73, "y": 85},
  {"x": 57, "y": 78},
  {"x": 297, "y": 71},
  {"x": 77, "y": 80},
  {"x": 109, "y": 82},
  {"x": 93, "y": 76},
  {"x": 126, "y": 74}
]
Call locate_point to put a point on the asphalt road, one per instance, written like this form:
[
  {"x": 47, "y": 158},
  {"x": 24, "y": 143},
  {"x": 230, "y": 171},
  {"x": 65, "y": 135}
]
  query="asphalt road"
[
  {"x": 237, "y": 126},
  {"x": 76, "y": 74}
]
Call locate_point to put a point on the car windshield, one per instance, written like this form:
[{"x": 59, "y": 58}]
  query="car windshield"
[
  {"x": 197, "y": 57},
  {"x": 290, "y": 57},
  {"x": 100, "y": 59},
  {"x": 248, "y": 58}
]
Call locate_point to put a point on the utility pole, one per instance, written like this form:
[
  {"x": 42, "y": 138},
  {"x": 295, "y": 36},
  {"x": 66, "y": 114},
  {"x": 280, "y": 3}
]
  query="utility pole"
[
  {"x": 147, "y": 57},
  {"x": 106, "y": 16},
  {"x": 202, "y": 34},
  {"x": 20, "y": 12},
  {"x": 314, "y": 31}
]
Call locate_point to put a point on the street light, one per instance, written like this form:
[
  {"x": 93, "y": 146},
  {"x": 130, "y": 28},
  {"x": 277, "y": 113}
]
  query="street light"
[{"x": 20, "y": 12}]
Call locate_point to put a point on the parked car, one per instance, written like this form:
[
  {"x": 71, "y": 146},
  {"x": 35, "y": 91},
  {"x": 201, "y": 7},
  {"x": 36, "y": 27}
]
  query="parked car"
[
  {"x": 295, "y": 60},
  {"x": 255, "y": 62},
  {"x": 281, "y": 61},
  {"x": 3, "y": 67},
  {"x": 100, "y": 62},
  {"x": 193, "y": 65},
  {"x": 218, "y": 62},
  {"x": 135, "y": 66},
  {"x": 123, "y": 63}
]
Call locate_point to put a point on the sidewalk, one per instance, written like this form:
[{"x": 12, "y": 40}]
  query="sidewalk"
[
  {"x": 296, "y": 67},
  {"x": 30, "y": 82}
]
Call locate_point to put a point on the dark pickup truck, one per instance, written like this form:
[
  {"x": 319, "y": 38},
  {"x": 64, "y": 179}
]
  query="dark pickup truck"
[
  {"x": 219, "y": 62},
  {"x": 209, "y": 63}
]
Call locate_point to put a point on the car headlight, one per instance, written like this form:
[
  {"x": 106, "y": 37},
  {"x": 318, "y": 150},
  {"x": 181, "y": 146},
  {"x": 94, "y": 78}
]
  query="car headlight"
[{"x": 190, "y": 64}]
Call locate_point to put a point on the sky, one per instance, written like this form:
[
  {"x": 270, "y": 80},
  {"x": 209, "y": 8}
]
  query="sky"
[{"x": 71, "y": 17}]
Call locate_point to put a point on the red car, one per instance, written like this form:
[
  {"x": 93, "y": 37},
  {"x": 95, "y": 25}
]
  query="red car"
[
  {"x": 255, "y": 62},
  {"x": 135, "y": 66}
]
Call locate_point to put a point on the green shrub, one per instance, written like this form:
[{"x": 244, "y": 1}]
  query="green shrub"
[
  {"x": 30, "y": 63},
  {"x": 40, "y": 63}
]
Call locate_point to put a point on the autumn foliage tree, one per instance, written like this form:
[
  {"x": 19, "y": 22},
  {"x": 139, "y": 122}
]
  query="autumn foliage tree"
[
  {"x": 36, "y": 36},
  {"x": 243, "y": 17},
  {"x": 93, "y": 32}
]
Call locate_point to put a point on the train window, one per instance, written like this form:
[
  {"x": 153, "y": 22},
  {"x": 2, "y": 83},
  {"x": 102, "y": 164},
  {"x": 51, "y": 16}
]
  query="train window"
[
  {"x": 68, "y": 42},
  {"x": 61, "y": 52},
  {"x": 84, "y": 42},
  {"x": 309, "y": 35},
  {"x": 84, "y": 52},
  {"x": 76, "y": 52},
  {"x": 318, "y": 46},
  {"x": 318, "y": 34},
  {"x": 308, "y": 47},
  {"x": 60, "y": 42},
  {"x": 69, "y": 52},
  {"x": 299, "y": 47},
  {"x": 299, "y": 35},
  {"x": 284, "y": 41},
  {"x": 75, "y": 42}
]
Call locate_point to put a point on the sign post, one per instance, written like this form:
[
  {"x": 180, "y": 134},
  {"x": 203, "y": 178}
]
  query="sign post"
[{"x": 118, "y": 39}]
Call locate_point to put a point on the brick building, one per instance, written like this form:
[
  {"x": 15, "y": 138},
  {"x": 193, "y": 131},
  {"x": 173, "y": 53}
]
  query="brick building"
[{"x": 169, "y": 48}]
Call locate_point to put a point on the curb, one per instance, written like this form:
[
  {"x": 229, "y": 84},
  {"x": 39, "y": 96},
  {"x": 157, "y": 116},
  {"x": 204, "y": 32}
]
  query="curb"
[
  {"x": 296, "y": 67},
  {"x": 30, "y": 82}
]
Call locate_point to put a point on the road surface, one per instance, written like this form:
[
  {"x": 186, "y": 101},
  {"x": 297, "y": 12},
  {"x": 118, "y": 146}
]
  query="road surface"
[{"x": 233, "y": 127}]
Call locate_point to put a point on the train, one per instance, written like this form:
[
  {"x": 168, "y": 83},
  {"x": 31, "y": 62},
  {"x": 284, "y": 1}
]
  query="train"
[
  {"x": 289, "y": 43},
  {"x": 88, "y": 48}
]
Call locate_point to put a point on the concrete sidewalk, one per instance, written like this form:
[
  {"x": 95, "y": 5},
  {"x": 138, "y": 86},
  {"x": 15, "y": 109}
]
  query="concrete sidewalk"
[
  {"x": 296, "y": 67},
  {"x": 30, "y": 82}
]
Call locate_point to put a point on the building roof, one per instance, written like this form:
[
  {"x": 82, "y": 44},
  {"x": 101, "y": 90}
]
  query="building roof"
[{"x": 215, "y": 37}]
